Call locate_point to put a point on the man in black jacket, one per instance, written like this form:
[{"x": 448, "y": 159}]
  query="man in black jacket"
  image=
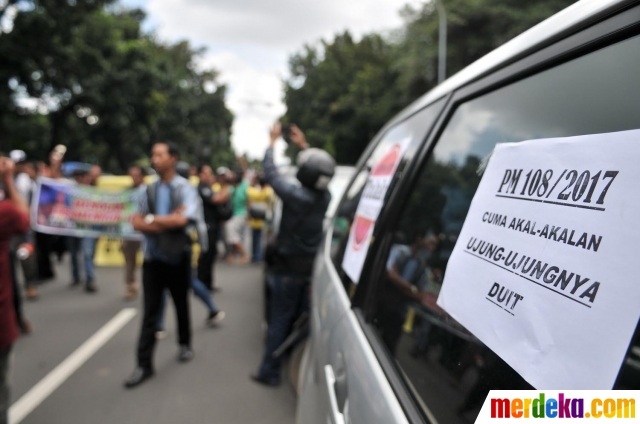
[{"x": 304, "y": 209}]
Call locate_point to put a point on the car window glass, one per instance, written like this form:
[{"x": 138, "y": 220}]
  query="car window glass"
[
  {"x": 416, "y": 129},
  {"x": 337, "y": 186},
  {"x": 447, "y": 368}
]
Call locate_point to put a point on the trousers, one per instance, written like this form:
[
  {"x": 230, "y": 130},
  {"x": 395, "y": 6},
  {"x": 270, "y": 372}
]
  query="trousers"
[
  {"x": 207, "y": 259},
  {"x": 130, "y": 250},
  {"x": 199, "y": 290},
  {"x": 289, "y": 300},
  {"x": 256, "y": 245},
  {"x": 17, "y": 295},
  {"x": 4, "y": 384},
  {"x": 44, "y": 248},
  {"x": 156, "y": 277},
  {"x": 87, "y": 247}
]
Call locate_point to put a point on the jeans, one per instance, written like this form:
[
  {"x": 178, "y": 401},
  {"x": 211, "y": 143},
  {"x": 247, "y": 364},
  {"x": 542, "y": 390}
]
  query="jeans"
[
  {"x": 86, "y": 245},
  {"x": 4, "y": 384},
  {"x": 422, "y": 335},
  {"x": 289, "y": 300},
  {"x": 89, "y": 252},
  {"x": 200, "y": 290},
  {"x": 256, "y": 245}
]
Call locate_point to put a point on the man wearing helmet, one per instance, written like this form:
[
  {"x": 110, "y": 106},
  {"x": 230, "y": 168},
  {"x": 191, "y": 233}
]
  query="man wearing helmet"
[{"x": 290, "y": 259}]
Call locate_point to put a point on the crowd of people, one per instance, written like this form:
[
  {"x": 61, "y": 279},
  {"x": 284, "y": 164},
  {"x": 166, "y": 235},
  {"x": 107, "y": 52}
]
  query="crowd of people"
[
  {"x": 225, "y": 210},
  {"x": 236, "y": 205}
]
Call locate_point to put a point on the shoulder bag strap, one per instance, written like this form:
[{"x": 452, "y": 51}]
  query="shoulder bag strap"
[{"x": 151, "y": 197}]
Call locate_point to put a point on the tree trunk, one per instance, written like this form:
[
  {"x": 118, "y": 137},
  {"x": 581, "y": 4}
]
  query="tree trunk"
[
  {"x": 120, "y": 154},
  {"x": 57, "y": 120}
]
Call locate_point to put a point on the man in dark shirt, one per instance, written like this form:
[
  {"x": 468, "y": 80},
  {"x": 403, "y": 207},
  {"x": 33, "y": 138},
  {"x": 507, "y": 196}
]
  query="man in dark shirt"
[
  {"x": 303, "y": 212},
  {"x": 210, "y": 203},
  {"x": 14, "y": 219}
]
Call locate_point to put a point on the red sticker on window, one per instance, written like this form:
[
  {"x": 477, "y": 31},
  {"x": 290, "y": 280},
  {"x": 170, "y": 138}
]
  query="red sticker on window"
[
  {"x": 362, "y": 226},
  {"x": 387, "y": 164}
]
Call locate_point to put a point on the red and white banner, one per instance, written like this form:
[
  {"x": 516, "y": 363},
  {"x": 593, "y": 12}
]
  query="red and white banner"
[{"x": 369, "y": 208}]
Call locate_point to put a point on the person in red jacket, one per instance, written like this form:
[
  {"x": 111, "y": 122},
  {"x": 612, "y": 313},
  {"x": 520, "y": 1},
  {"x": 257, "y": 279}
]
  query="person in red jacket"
[{"x": 14, "y": 219}]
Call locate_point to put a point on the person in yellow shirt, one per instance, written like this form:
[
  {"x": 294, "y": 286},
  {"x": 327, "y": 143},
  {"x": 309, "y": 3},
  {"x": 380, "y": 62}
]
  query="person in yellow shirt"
[{"x": 259, "y": 199}]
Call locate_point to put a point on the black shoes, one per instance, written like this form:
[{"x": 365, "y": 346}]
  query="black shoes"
[
  {"x": 90, "y": 287},
  {"x": 265, "y": 381},
  {"x": 138, "y": 376},
  {"x": 141, "y": 374},
  {"x": 185, "y": 354},
  {"x": 215, "y": 318}
]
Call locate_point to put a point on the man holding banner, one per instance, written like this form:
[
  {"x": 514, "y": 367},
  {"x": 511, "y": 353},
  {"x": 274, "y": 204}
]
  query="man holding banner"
[
  {"x": 130, "y": 248},
  {"x": 82, "y": 246},
  {"x": 167, "y": 208}
]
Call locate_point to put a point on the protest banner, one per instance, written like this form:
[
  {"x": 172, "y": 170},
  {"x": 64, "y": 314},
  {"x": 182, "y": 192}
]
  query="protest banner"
[{"x": 61, "y": 207}]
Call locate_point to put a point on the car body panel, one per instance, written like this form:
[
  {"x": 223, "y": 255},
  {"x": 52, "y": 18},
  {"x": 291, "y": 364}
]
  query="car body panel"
[{"x": 338, "y": 341}]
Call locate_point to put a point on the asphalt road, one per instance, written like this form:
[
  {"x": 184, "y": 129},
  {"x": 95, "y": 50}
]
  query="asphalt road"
[{"x": 213, "y": 388}]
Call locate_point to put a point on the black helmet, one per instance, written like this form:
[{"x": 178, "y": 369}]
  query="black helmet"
[
  {"x": 315, "y": 168},
  {"x": 182, "y": 168}
]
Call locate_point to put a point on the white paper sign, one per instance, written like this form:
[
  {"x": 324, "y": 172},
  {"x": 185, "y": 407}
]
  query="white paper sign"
[
  {"x": 545, "y": 271},
  {"x": 369, "y": 208}
]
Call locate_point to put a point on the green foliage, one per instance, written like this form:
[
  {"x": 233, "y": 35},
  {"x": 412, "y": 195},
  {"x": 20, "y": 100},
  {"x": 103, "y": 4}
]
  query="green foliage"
[
  {"x": 342, "y": 92},
  {"x": 345, "y": 95},
  {"x": 105, "y": 89},
  {"x": 474, "y": 28}
]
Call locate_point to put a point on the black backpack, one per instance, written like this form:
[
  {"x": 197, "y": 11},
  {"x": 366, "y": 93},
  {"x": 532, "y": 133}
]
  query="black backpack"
[{"x": 224, "y": 211}]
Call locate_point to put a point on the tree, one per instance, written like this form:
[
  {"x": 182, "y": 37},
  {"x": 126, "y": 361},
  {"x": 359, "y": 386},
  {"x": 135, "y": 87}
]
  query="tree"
[
  {"x": 474, "y": 28},
  {"x": 104, "y": 88},
  {"x": 40, "y": 59},
  {"x": 343, "y": 91},
  {"x": 346, "y": 96}
]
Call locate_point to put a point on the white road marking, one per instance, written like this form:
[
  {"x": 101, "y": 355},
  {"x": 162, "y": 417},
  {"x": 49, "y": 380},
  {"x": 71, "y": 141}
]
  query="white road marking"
[{"x": 43, "y": 389}]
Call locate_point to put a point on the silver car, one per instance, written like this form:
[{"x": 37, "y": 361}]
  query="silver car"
[{"x": 381, "y": 350}]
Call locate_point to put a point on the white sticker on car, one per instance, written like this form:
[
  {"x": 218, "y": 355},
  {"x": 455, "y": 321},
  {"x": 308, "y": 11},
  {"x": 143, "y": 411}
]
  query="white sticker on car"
[{"x": 545, "y": 269}]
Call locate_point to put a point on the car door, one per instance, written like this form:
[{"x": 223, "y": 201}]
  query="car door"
[
  {"x": 433, "y": 364},
  {"x": 396, "y": 359},
  {"x": 335, "y": 347}
]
